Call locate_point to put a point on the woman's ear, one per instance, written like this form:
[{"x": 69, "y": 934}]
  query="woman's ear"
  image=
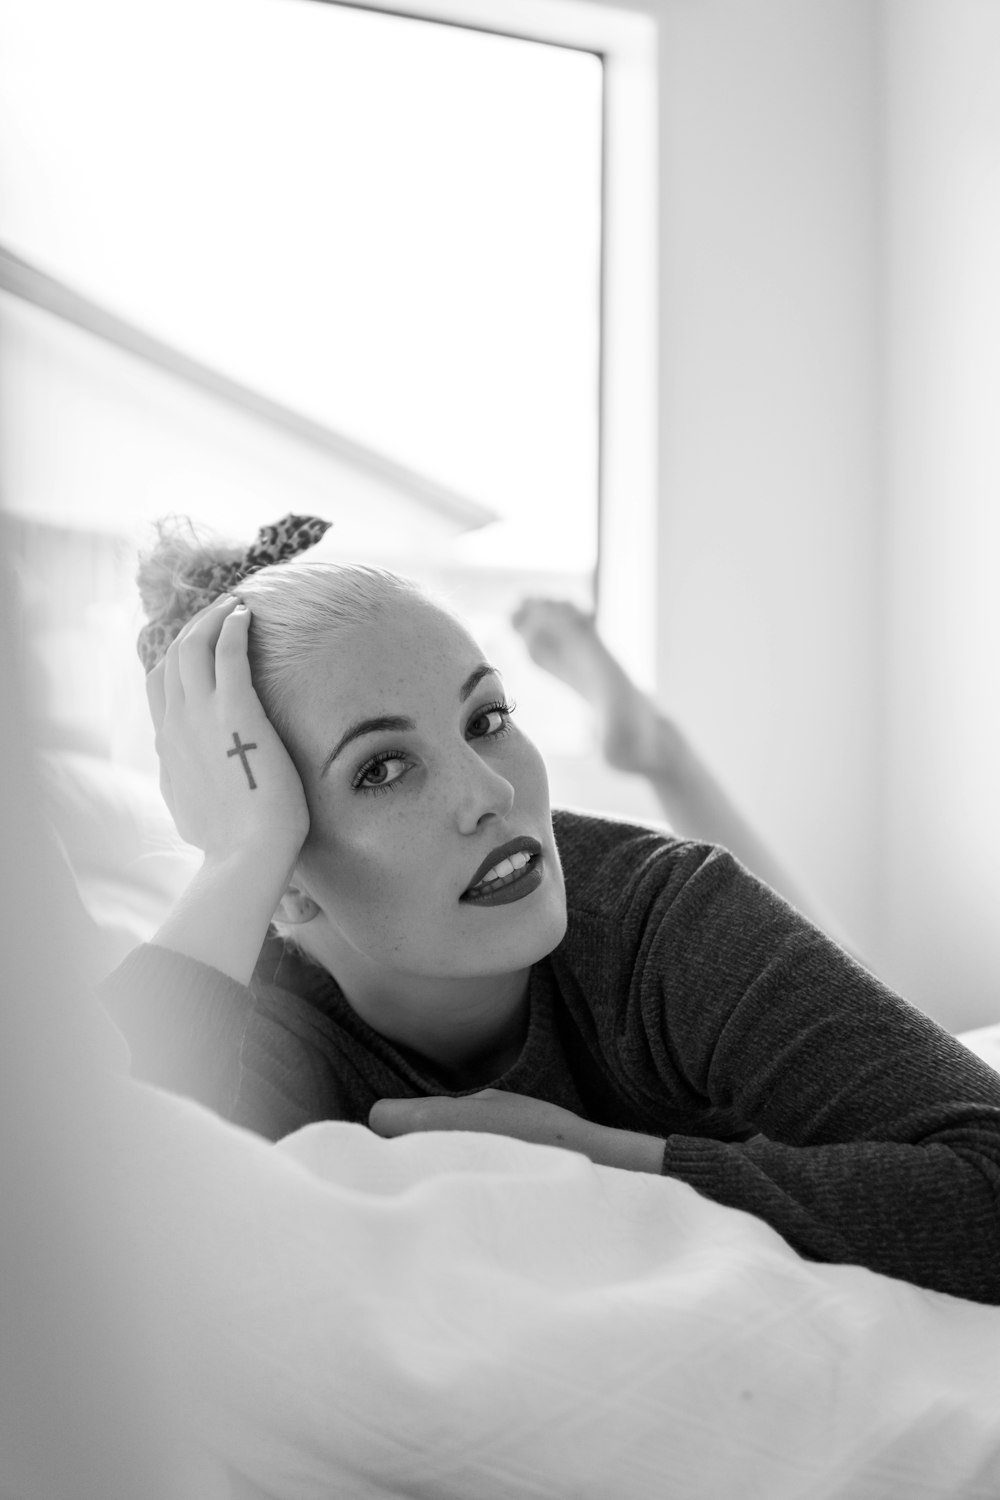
[{"x": 295, "y": 907}]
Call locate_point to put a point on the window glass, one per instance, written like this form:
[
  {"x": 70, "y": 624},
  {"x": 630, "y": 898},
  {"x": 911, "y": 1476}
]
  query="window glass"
[{"x": 388, "y": 225}]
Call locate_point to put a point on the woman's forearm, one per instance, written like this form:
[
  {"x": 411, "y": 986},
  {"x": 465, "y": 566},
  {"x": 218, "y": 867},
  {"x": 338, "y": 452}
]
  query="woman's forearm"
[
  {"x": 222, "y": 917},
  {"x": 500, "y": 1112}
]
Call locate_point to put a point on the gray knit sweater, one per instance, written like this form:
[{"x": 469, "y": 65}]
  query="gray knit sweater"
[{"x": 686, "y": 1001}]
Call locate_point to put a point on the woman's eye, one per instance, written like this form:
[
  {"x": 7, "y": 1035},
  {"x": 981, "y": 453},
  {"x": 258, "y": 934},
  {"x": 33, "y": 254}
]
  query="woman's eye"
[
  {"x": 491, "y": 721},
  {"x": 380, "y": 773}
]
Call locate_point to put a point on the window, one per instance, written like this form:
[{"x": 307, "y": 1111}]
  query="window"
[{"x": 389, "y": 240}]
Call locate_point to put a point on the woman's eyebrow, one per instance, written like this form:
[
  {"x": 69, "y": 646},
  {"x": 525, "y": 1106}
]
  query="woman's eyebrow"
[
  {"x": 398, "y": 722},
  {"x": 474, "y": 679},
  {"x": 366, "y": 726}
]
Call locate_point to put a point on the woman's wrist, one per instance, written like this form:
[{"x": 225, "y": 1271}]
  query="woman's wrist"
[
  {"x": 259, "y": 863},
  {"x": 222, "y": 917},
  {"x": 626, "y": 1149}
]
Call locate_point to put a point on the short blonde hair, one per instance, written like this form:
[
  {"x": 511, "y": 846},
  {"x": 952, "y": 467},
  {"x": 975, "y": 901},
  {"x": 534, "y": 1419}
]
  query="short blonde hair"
[
  {"x": 295, "y": 603},
  {"x": 295, "y": 607}
]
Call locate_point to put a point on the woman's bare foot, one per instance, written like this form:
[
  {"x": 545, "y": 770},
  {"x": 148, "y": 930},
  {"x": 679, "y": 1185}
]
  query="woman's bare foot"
[{"x": 563, "y": 640}]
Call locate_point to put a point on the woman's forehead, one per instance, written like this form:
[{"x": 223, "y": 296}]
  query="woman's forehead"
[{"x": 407, "y": 642}]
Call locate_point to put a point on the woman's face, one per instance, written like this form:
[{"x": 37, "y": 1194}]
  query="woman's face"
[{"x": 430, "y": 851}]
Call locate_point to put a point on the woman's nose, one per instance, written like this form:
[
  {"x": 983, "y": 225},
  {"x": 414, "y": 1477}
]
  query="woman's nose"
[{"x": 482, "y": 792}]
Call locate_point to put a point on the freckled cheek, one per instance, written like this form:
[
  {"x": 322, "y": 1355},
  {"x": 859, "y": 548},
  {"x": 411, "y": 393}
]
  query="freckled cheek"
[
  {"x": 362, "y": 853},
  {"x": 530, "y": 775}
]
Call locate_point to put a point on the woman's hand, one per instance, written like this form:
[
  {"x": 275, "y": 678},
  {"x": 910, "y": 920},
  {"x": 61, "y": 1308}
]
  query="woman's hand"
[
  {"x": 226, "y": 777},
  {"x": 491, "y": 1110},
  {"x": 497, "y": 1112}
]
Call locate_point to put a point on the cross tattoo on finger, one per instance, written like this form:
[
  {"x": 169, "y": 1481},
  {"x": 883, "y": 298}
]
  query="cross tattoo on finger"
[{"x": 241, "y": 750}]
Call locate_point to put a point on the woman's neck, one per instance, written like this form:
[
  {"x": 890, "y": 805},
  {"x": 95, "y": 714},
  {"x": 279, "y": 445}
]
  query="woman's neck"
[
  {"x": 471, "y": 1030},
  {"x": 474, "y": 1058}
]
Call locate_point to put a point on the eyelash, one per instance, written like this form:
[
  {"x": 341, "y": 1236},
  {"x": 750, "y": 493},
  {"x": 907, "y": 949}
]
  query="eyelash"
[{"x": 502, "y": 706}]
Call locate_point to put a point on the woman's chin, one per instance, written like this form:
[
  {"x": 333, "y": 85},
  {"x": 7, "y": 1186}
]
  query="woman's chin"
[{"x": 516, "y": 935}]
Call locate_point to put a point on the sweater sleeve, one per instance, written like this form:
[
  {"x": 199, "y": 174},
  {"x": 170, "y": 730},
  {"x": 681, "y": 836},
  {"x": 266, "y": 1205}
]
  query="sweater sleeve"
[
  {"x": 193, "y": 1030},
  {"x": 879, "y": 1134}
]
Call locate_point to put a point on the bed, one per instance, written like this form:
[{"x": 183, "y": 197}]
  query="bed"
[{"x": 464, "y": 1317}]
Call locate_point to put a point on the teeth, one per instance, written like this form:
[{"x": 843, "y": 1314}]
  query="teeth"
[{"x": 508, "y": 866}]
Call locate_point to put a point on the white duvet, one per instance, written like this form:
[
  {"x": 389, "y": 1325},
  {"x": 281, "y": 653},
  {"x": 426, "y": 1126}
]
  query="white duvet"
[{"x": 466, "y": 1316}]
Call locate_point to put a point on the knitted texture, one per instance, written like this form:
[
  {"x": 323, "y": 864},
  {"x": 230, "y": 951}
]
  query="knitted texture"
[{"x": 687, "y": 1002}]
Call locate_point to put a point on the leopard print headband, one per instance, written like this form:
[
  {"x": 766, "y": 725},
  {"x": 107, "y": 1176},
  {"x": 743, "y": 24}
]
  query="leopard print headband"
[{"x": 277, "y": 543}]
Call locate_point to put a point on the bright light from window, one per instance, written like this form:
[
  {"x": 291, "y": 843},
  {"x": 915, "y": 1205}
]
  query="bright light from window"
[{"x": 389, "y": 224}]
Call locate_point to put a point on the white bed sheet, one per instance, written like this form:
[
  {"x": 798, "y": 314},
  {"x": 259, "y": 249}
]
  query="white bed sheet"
[{"x": 453, "y": 1315}]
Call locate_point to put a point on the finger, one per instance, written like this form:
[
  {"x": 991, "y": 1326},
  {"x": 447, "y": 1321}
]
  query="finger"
[
  {"x": 173, "y": 675},
  {"x": 195, "y": 647},
  {"x": 393, "y": 1117},
  {"x": 232, "y": 664},
  {"x": 201, "y": 616},
  {"x": 390, "y": 1117}
]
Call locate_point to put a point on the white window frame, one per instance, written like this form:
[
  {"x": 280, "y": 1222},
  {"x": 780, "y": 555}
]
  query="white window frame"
[{"x": 626, "y": 43}]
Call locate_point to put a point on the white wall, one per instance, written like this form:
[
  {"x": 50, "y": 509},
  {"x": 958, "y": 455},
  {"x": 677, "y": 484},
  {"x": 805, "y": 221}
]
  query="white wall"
[
  {"x": 830, "y": 466},
  {"x": 770, "y": 457},
  {"x": 943, "y": 285},
  {"x": 769, "y": 420}
]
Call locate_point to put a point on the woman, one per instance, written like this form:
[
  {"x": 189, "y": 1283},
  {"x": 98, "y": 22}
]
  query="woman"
[{"x": 460, "y": 958}]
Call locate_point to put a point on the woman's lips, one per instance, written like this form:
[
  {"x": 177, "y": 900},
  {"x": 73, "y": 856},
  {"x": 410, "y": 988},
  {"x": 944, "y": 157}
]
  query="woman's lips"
[
  {"x": 511, "y": 888},
  {"x": 513, "y": 867}
]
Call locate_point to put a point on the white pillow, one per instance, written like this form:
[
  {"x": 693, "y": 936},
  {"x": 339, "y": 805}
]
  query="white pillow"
[{"x": 113, "y": 824}]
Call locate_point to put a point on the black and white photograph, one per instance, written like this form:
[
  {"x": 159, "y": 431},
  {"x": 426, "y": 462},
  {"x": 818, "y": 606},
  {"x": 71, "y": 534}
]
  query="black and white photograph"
[{"x": 500, "y": 749}]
